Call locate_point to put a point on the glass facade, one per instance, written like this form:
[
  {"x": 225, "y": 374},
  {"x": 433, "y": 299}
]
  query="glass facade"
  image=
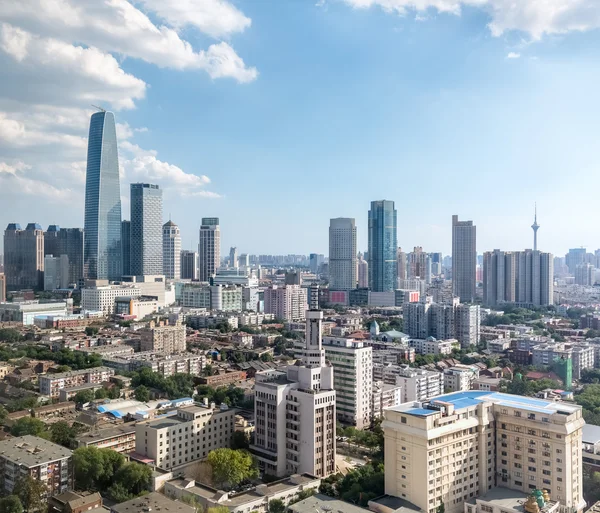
[
  {"x": 126, "y": 247},
  {"x": 383, "y": 247},
  {"x": 146, "y": 254},
  {"x": 102, "y": 243}
]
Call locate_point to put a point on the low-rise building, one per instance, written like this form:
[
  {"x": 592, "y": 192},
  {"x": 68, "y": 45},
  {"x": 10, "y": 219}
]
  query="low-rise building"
[
  {"x": 118, "y": 438},
  {"x": 460, "y": 377},
  {"x": 71, "y": 502},
  {"x": 101, "y": 298},
  {"x": 51, "y": 384},
  {"x": 25, "y": 312},
  {"x": 153, "y": 501},
  {"x": 384, "y": 396},
  {"x": 223, "y": 379},
  {"x": 431, "y": 345}
]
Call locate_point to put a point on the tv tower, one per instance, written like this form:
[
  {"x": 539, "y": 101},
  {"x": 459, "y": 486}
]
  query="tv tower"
[{"x": 535, "y": 226}]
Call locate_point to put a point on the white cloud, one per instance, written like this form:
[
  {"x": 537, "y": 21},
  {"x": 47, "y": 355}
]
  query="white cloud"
[
  {"x": 16, "y": 134},
  {"x": 513, "y": 55},
  {"x": 13, "y": 179},
  {"x": 535, "y": 17}
]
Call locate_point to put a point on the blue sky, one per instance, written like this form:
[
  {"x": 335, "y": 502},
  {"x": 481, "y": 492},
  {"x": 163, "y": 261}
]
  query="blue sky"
[{"x": 311, "y": 112}]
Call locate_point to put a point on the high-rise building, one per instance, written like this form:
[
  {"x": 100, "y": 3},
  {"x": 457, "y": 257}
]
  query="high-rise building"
[
  {"x": 295, "y": 411},
  {"x": 51, "y": 240},
  {"x": 66, "y": 241},
  {"x": 383, "y": 246},
  {"x": 244, "y": 260},
  {"x": 342, "y": 254},
  {"x": 419, "y": 265},
  {"x": 464, "y": 259},
  {"x": 102, "y": 226},
  {"x": 24, "y": 257},
  {"x": 402, "y": 265},
  {"x": 574, "y": 257},
  {"x": 56, "y": 272},
  {"x": 436, "y": 263},
  {"x": 585, "y": 274},
  {"x": 287, "y": 302},
  {"x": 171, "y": 251},
  {"x": 126, "y": 247},
  {"x": 209, "y": 248},
  {"x": 363, "y": 272},
  {"x": 467, "y": 322},
  {"x": 189, "y": 265},
  {"x": 233, "y": 257},
  {"x": 146, "y": 230},
  {"x": 534, "y": 283},
  {"x": 499, "y": 277},
  {"x": 163, "y": 339},
  {"x": 316, "y": 261},
  {"x": 498, "y": 442}
]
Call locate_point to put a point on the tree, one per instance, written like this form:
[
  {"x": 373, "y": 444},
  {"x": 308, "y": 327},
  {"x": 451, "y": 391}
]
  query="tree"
[
  {"x": 84, "y": 396},
  {"x": 218, "y": 509},
  {"x": 95, "y": 468},
  {"x": 276, "y": 506},
  {"x": 31, "y": 493},
  {"x": 11, "y": 504},
  {"x": 28, "y": 426},
  {"x": 266, "y": 357},
  {"x": 142, "y": 394},
  {"x": 101, "y": 393},
  {"x": 230, "y": 467},
  {"x": 62, "y": 434},
  {"x": 135, "y": 477},
  {"x": 240, "y": 440},
  {"x": 10, "y": 335},
  {"x": 91, "y": 331},
  {"x": 441, "y": 508}
]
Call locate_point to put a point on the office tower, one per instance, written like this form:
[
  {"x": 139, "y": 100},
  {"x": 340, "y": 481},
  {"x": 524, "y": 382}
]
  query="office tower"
[
  {"x": 402, "y": 265},
  {"x": 287, "y": 302},
  {"x": 383, "y": 247},
  {"x": 535, "y": 227},
  {"x": 436, "y": 263},
  {"x": 51, "y": 240},
  {"x": 209, "y": 248},
  {"x": 574, "y": 257},
  {"x": 494, "y": 440},
  {"x": 126, "y": 247},
  {"x": 585, "y": 274},
  {"x": 295, "y": 411},
  {"x": 464, "y": 259},
  {"x": 189, "y": 265},
  {"x": 419, "y": 265},
  {"x": 342, "y": 254},
  {"x": 363, "y": 272},
  {"x": 171, "y": 251},
  {"x": 24, "y": 257},
  {"x": 146, "y": 234},
  {"x": 102, "y": 225},
  {"x": 244, "y": 260},
  {"x": 70, "y": 243},
  {"x": 467, "y": 323},
  {"x": 534, "y": 282},
  {"x": 233, "y": 257},
  {"x": 499, "y": 277},
  {"x": 316, "y": 261},
  {"x": 56, "y": 272}
]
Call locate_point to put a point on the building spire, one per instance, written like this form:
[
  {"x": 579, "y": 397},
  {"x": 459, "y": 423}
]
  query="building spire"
[{"x": 535, "y": 226}]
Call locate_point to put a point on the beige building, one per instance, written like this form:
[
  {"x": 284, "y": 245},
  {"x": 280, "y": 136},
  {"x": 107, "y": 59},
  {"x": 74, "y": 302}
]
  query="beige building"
[
  {"x": 52, "y": 384},
  {"x": 163, "y": 339},
  {"x": 463, "y": 445},
  {"x": 188, "y": 436},
  {"x": 286, "y": 302}
]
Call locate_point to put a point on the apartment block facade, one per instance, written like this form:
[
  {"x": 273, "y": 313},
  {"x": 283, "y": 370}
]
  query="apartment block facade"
[
  {"x": 288, "y": 302},
  {"x": 52, "y": 384},
  {"x": 163, "y": 339}
]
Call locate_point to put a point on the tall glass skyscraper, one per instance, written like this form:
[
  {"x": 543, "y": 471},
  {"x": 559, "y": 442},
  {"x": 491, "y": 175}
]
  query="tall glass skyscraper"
[
  {"x": 146, "y": 255},
  {"x": 102, "y": 225},
  {"x": 126, "y": 247},
  {"x": 383, "y": 246}
]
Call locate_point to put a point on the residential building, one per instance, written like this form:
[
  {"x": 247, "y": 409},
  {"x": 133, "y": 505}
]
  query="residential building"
[
  {"x": 402, "y": 265},
  {"x": 171, "y": 442},
  {"x": 499, "y": 277},
  {"x": 189, "y": 265},
  {"x": 383, "y": 246},
  {"x": 146, "y": 236},
  {"x": 342, "y": 254},
  {"x": 286, "y": 302},
  {"x": 56, "y": 272},
  {"x": 431, "y": 345},
  {"x": 120, "y": 438},
  {"x": 163, "y": 339},
  {"x": 464, "y": 259},
  {"x": 585, "y": 274},
  {"x": 476, "y": 441},
  {"x": 467, "y": 324},
  {"x": 209, "y": 248},
  {"x": 152, "y": 501},
  {"x": 419, "y": 265},
  {"x": 71, "y": 502},
  {"x": 102, "y": 298},
  {"x": 419, "y": 384},
  {"x": 52, "y": 384},
  {"x": 362, "y": 267},
  {"x": 102, "y": 225},
  {"x": 384, "y": 396},
  {"x": 416, "y": 319},
  {"x": 574, "y": 257},
  {"x": 44, "y": 461},
  {"x": 126, "y": 248},
  {"x": 171, "y": 251},
  {"x": 352, "y": 362},
  {"x": 295, "y": 411},
  {"x": 534, "y": 278},
  {"x": 24, "y": 257},
  {"x": 460, "y": 378}
]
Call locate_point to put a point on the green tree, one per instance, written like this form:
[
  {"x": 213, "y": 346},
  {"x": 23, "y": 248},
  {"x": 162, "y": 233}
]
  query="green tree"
[
  {"x": 62, "y": 434},
  {"x": 230, "y": 467},
  {"x": 11, "y": 504},
  {"x": 95, "y": 468},
  {"x": 591, "y": 486},
  {"x": 142, "y": 394},
  {"x": 441, "y": 508},
  {"x": 31, "y": 493},
  {"x": 266, "y": 357},
  {"x": 135, "y": 477},
  {"x": 28, "y": 426},
  {"x": 10, "y": 335},
  {"x": 84, "y": 396},
  {"x": 91, "y": 331},
  {"x": 217, "y": 509},
  {"x": 101, "y": 393},
  {"x": 276, "y": 506},
  {"x": 240, "y": 440}
]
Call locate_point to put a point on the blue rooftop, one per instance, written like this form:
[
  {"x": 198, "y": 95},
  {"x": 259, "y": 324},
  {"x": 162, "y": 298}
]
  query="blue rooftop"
[
  {"x": 421, "y": 412},
  {"x": 182, "y": 400}
]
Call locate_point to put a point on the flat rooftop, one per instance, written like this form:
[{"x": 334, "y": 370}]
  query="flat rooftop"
[
  {"x": 505, "y": 498},
  {"x": 105, "y": 434},
  {"x": 154, "y": 501},
  {"x": 32, "y": 451},
  {"x": 324, "y": 504}
]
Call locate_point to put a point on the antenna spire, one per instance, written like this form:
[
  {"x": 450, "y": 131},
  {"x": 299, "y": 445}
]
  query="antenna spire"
[{"x": 535, "y": 226}]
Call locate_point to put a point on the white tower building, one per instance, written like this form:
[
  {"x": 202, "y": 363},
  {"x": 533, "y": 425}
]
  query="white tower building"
[{"x": 171, "y": 240}]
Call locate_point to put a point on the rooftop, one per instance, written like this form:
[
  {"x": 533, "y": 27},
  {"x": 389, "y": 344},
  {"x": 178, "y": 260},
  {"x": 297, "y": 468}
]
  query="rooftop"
[
  {"x": 104, "y": 434},
  {"x": 324, "y": 504},
  {"x": 32, "y": 451},
  {"x": 510, "y": 499},
  {"x": 152, "y": 502},
  {"x": 591, "y": 434}
]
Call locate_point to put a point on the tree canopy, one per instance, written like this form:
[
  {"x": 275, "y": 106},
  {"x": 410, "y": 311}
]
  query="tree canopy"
[
  {"x": 175, "y": 386},
  {"x": 11, "y": 504},
  {"x": 31, "y": 493},
  {"x": 29, "y": 426},
  {"x": 231, "y": 467}
]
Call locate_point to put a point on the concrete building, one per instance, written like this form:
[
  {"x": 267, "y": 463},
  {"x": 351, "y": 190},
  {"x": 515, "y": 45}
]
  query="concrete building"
[
  {"x": 152, "y": 501},
  {"x": 464, "y": 259},
  {"x": 460, "y": 378},
  {"x": 188, "y": 436},
  {"x": 295, "y": 411},
  {"x": 342, "y": 254},
  {"x": 26, "y": 312},
  {"x": 402, "y": 265},
  {"x": 233, "y": 257},
  {"x": 362, "y": 267},
  {"x": 419, "y": 265},
  {"x": 68, "y": 242},
  {"x": 136, "y": 307},
  {"x": 286, "y": 302},
  {"x": 467, "y": 324},
  {"x": 384, "y": 396},
  {"x": 499, "y": 277},
  {"x": 56, "y": 272},
  {"x": 152, "y": 285},
  {"x": 44, "y": 461},
  {"x": 171, "y": 249},
  {"x": 163, "y": 339},
  {"x": 102, "y": 298},
  {"x": 574, "y": 257},
  {"x": 117, "y": 438},
  {"x": 383, "y": 246},
  {"x": 316, "y": 261},
  {"x": 189, "y": 265},
  {"x": 126, "y": 248},
  {"x": 352, "y": 364},
  {"x": 585, "y": 274},
  {"x": 24, "y": 257},
  {"x": 209, "y": 248},
  {"x": 146, "y": 230},
  {"x": 52, "y": 384},
  {"x": 463, "y": 445},
  {"x": 419, "y": 384},
  {"x": 431, "y": 345},
  {"x": 416, "y": 319}
]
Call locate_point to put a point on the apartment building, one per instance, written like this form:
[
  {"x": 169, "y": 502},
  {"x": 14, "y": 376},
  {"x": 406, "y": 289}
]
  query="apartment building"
[
  {"x": 431, "y": 345},
  {"x": 41, "y": 459},
  {"x": 118, "y": 438},
  {"x": 165, "y": 365},
  {"x": 102, "y": 298},
  {"x": 460, "y": 378},
  {"x": 188, "y": 436},
  {"x": 52, "y": 384},
  {"x": 419, "y": 384},
  {"x": 353, "y": 379},
  {"x": 286, "y": 302},
  {"x": 384, "y": 396},
  {"x": 163, "y": 338},
  {"x": 460, "y": 446}
]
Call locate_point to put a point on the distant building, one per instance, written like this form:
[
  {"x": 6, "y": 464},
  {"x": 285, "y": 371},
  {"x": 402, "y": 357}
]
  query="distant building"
[
  {"x": 146, "y": 230},
  {"x": 2, "y": 287},
  {"x": 464, "y": 259},
  {"x": 288, "y": 302},
  {"x": 585, "y": 274},
  {"x": 126, "y": 247},
  {"x": 24, "y": 257},
  {"x": 209, "y": 248},
  {"x": 56, "y": 272},
  {"x": 233, "y": 257},
  {"x": 52, "y": 384},
  {"x": 189, "y": 265},
  {"x": 102, "y": 298},
  {"x": 383, "y": 263},
  {"x": 152, "y": 501},
  {"x": 316, "y": 261},
  {"x": 171, "y": 251},
  {"x": 69, "y": 242},
  {"x": 362, "y": 272},
  {"x": 342, "y": 254},
  {"x": 26, "y": 312},
  {"x": 163, "y": 339}
]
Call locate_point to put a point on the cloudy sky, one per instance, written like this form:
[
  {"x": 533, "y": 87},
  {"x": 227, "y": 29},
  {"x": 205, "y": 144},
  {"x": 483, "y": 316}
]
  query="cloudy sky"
[{"x": 276, "y": 115}]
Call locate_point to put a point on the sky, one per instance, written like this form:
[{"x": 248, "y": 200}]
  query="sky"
[{"x": 277, "y": 115}]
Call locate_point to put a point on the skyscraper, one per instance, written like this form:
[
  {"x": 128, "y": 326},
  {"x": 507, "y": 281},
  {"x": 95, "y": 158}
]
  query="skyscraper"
[
  {"x": 574, "y": 257},
  {"x": 316, "y": 261},
  {"x": 126, "y": 247},
  {"x": 66, "y": 241},
  {"x": 171, "y": 251},
  {"x": 464, "y": 259},
  {"x": 102, "y": 226},
  {"x": 2, "y": 287},
  {"x": 209, "y": 248},
  {"x": 146, "y": 230},
  {"x": 233, "y": 257},
  {"x": 402, "y": 264},
  {"x": 383, "y": 246},
  {"x": 24, "y": 257},
  {"x": 363, "y": 272},
  {"x": 51, "y": 240},
  {"x": 419, "y": 265},
  {"x": 342, "y": 254},
  {"x": 189, "y": 265}
]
